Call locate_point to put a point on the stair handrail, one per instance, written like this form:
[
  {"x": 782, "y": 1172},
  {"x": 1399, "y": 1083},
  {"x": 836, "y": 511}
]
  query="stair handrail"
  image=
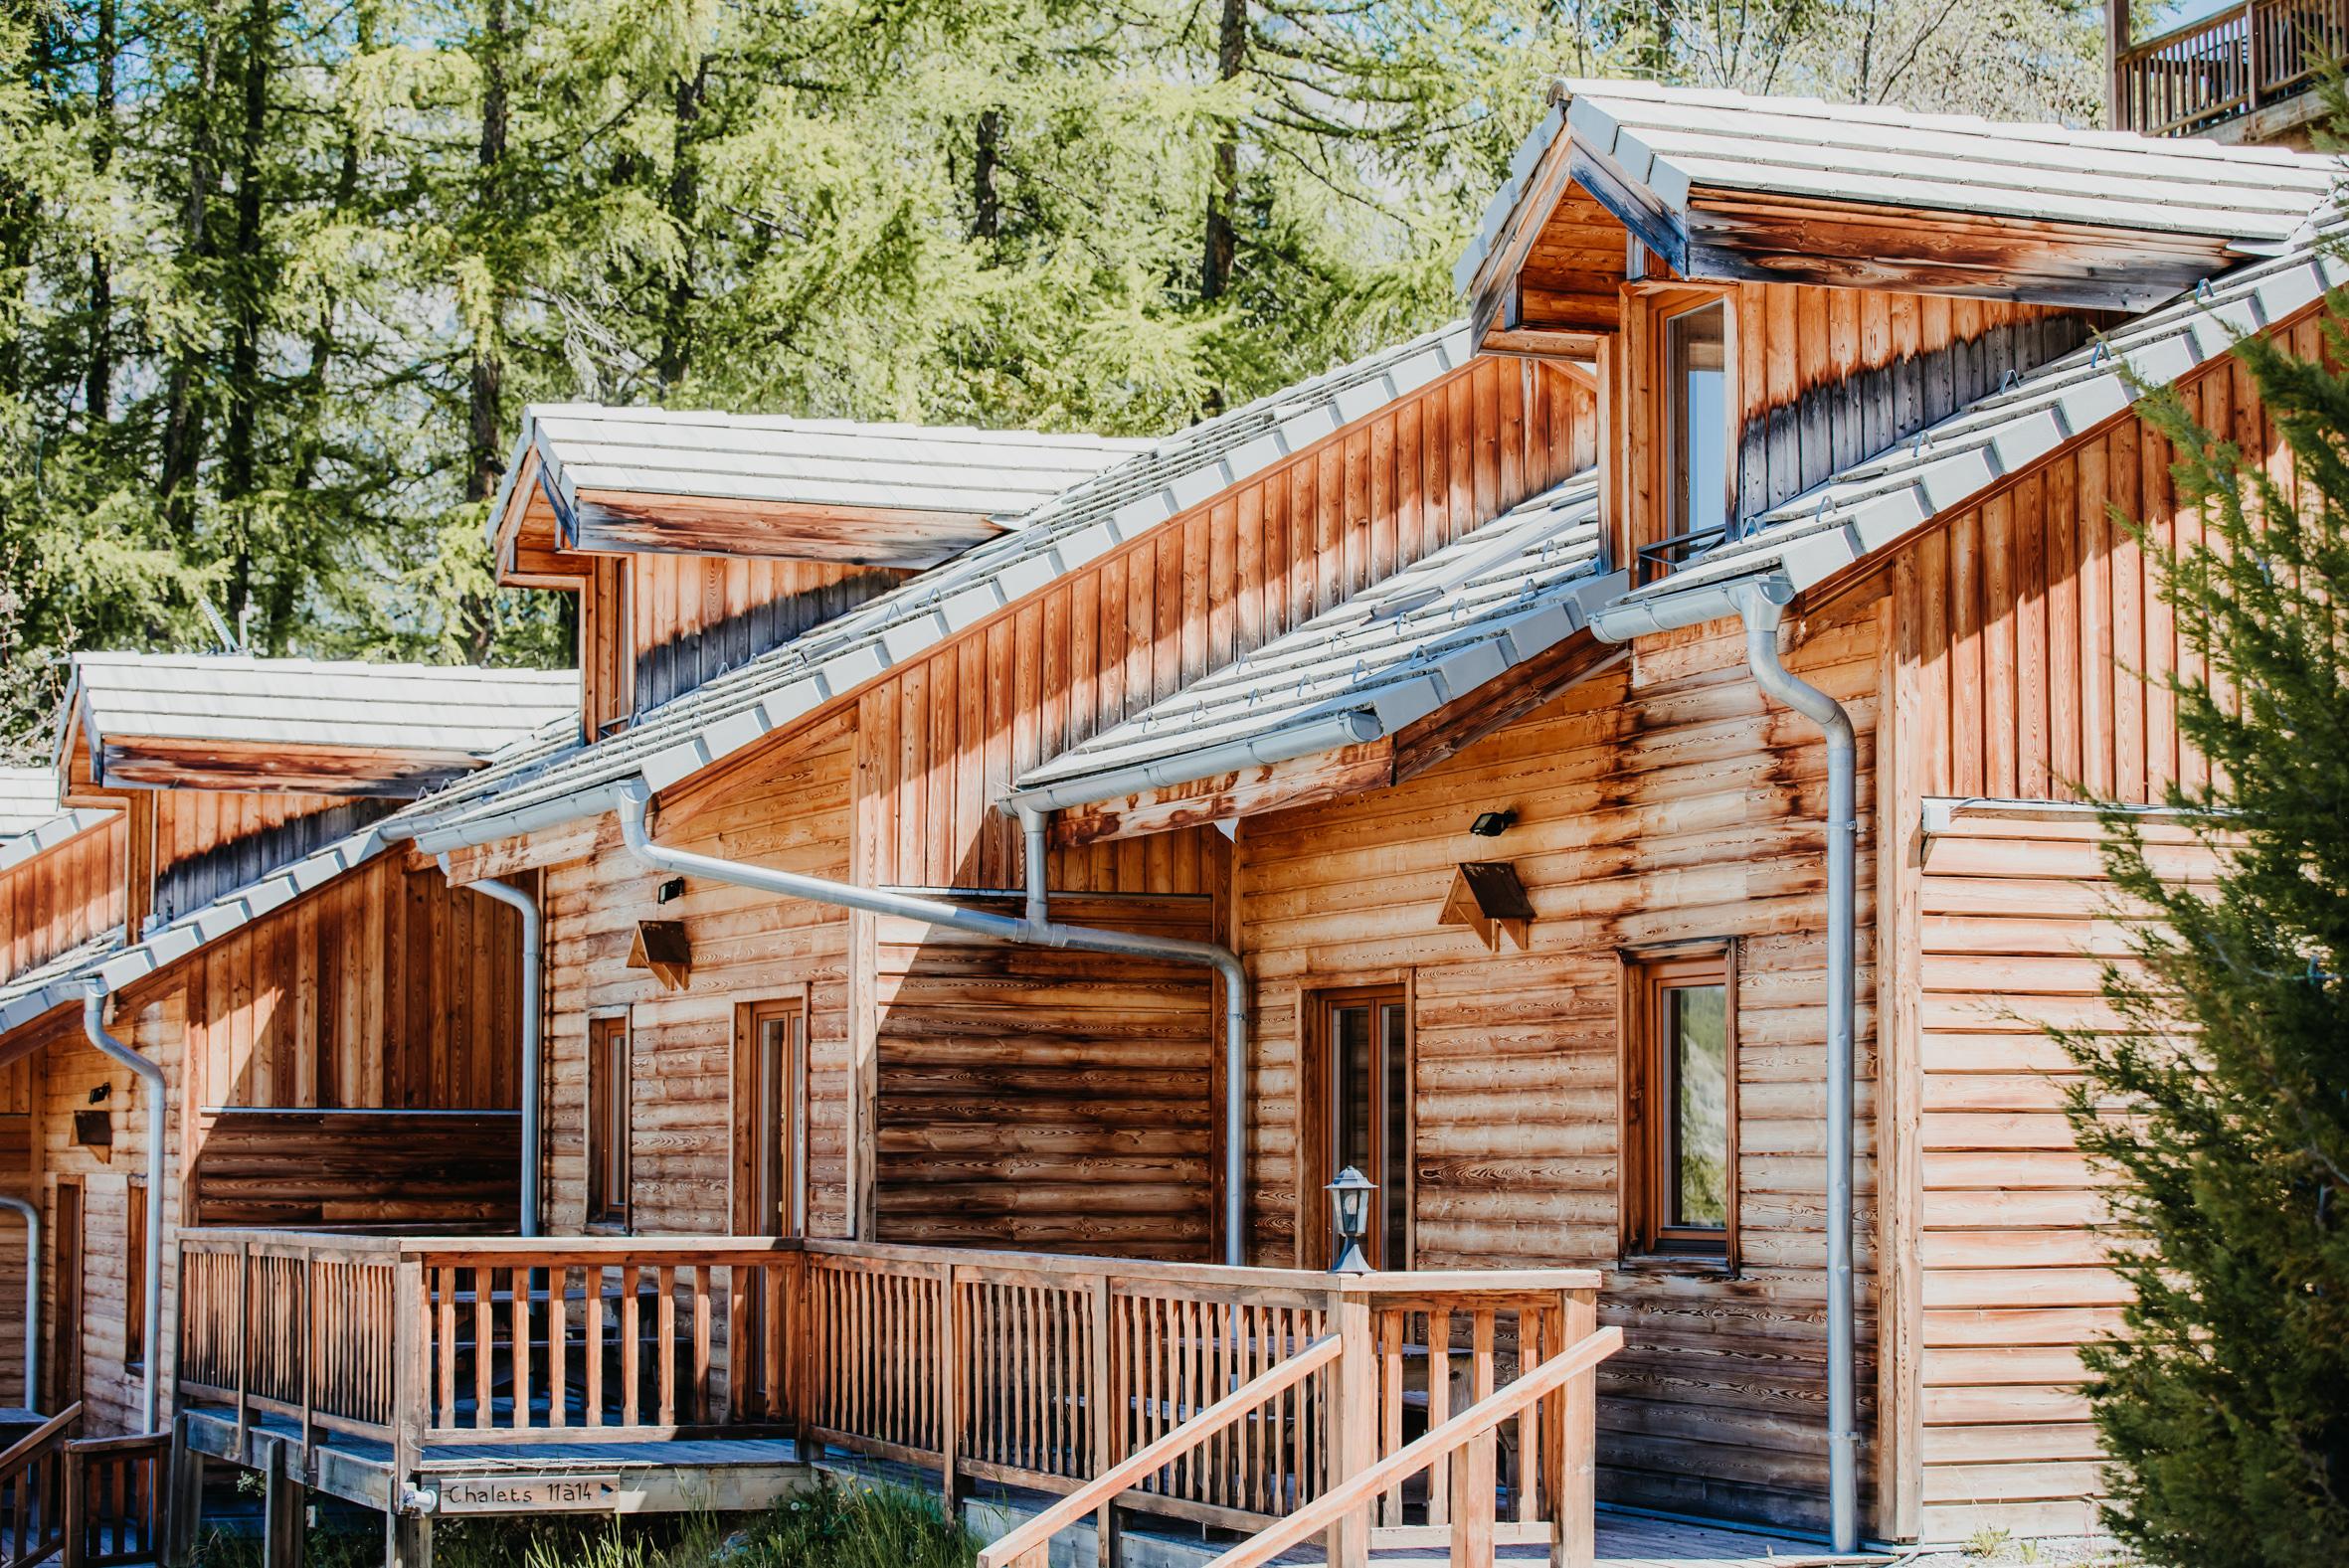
[
  {"x": 1357, "y": 1491},
  {"x": 47, "y": 1441},
  {"x": 1034, "y": 1538}
]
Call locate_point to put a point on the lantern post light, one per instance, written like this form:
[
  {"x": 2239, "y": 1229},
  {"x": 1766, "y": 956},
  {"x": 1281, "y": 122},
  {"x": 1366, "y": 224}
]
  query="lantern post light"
[{"x": 1350, "y": 1195}]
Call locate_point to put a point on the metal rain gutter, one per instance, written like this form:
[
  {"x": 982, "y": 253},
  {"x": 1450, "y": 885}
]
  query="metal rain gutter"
[
  {"x": 94, "y": 1025},
  {"x": 533, "y": 1033},
  {"x": 1760, "y": 605},
  {"x": 634, "y": 798},
  {"x": 589, "y": 800},
  {"x": 32, "y": 1216}
]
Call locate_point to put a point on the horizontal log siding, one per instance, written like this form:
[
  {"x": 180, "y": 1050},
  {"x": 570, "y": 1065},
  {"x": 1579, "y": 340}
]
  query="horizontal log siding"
[
  {"x": 746, "y": 947},
  {"x": 305, "y": 1170},
  {"x": 1660, "y": 799},
  {"x": 1044, "y": 1100},
  {"x": 2015, "y": 924},
  {"x": 62, "y": 896}
]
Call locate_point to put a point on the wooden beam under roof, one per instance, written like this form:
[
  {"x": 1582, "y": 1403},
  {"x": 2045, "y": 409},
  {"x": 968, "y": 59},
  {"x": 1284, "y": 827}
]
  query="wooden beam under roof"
[
  {"x": 380, "y": 772},
  {"x": 619, "y": 521}
]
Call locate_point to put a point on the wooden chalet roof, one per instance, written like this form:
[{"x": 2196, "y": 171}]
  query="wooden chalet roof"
[
  {"x": 240, "y": 721},
  {"x": 1492, "y": 600},
  {"x": 778, "y": 689},
  {"x": 1873, "y": 504},
  {"x": 53, "y": 829},
  {"x": 113, "y": 964},
  {"x": 28, "y": 799},
  {"x": 1727, "y": 187},
  {"x": 875, "y": 495}
]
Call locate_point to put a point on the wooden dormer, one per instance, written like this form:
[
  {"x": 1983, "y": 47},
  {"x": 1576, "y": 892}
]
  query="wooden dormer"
[
  {"x": 697, "y": 541},
  {"x": 1770, "y": 292}
]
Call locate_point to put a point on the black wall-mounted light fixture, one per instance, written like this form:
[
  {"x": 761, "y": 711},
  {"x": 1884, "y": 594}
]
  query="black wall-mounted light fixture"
[
  {"x": 102, "y": 1094},
  {"x": 670, "y": 891},
  {"x": 1491, "y": 824}
]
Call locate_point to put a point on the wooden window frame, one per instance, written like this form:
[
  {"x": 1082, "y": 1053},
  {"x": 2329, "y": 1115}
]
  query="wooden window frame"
[
  {"x": 748, "y": 1109},
  {"x": 608, "y": 1149},
  {"x": 1315, "y": 1088},
  {"x": 69, "y": 1252},
  {"x": 1646, "y": 1147},
  {"x": 1654, "y": 307}
]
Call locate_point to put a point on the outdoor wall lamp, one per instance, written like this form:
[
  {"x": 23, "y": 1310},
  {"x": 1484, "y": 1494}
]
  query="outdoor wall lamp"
[
  {"x": 1491, "y": 824},
  {"x": 1350, "y": 1195}
]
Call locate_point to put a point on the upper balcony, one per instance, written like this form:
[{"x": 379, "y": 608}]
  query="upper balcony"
[{"x": 2248, "y": 73}]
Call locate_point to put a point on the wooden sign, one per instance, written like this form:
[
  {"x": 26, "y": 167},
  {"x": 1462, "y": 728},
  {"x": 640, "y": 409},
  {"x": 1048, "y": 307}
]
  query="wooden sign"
[{"x": 531, "y": 1494}]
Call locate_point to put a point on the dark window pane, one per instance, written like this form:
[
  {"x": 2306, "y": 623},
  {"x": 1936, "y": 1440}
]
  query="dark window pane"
[
  {"x": 1394, "y": 1190},
  {"x": 1697, "y": 384},
  {"x": 1696, "y": 1022},
  {"x": 1350, "y": 1066}
]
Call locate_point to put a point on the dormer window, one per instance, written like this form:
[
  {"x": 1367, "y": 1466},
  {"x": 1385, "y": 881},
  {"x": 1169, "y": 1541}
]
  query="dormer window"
[{"x": 1695, "y": 391}]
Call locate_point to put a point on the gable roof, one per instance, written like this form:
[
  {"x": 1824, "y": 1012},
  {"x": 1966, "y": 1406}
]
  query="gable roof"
[
  {"x": 1724, "y": 186},
  {"x": 111, "y": 963},
  {"x": 27, "y": 797},
  {"x": 1875, "y": 503},
  {"x": 778, "y": 689},
  {"x": 190, "y": 717},
  {"x": 1488, "y": 603},
  {"x": 57, "y": 828}
]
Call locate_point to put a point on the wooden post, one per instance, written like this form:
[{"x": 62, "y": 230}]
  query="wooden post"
[
  {"x": 1106, "y": 1408},
  {"x": 77, "y": 1505},
  {"x": 1573, "y": 1452},
  {"x": 1353, "y": 1421},
  {"x": 1472, "y": 1485},
  {"x": 285, "y": 1509},
  {"x": 183, "y": 1516},
  {"x": 410, "y": 1374},
  {"x": 2253, "y": 63},
  {"x": 2116, "y": 44},
  {"x": 242, "y": 1328},
  {"x": 310, "y": 1350},
  {"x": 950, "y": 1384},
  {"x": 407, "y": 1539}
]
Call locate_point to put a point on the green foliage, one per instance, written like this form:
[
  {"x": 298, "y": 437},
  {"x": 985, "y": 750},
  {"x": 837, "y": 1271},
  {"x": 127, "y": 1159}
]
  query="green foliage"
[
  {"x": 278, "y": 277},
  {"x": 2222, "y": 1095}
]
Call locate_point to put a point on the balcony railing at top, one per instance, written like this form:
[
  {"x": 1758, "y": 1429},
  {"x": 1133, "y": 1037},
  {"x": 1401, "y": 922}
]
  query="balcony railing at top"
[
  {"x": 2228, "y": 65},
  {"x": 1015, "y": 1369}
]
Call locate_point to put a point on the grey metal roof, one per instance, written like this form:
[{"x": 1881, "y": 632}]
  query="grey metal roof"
[
  {"x": 1876, "y": 503},
  {"x": 27, "y": 797},
  {"x": 107, "y": 961},
  {"x": 54, "y": 829},
  {"x": 1060, "y": 537},
  {"x": 1482, "y": 605},
  {"x": 957, "y": 469},
  {"x": 311, "y": 702},
  {"x": 1669, "y": 139}
]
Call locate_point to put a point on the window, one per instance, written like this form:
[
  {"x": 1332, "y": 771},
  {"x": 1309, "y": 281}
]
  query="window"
[
  {"x": 1362, "y": 1045},
  {"x": 1680, "y": 1103},
  {"x": 607, "y": 1120},
  {"x": 1695, "y": 419},
  {"x": 134, "y": 1278},
  {"x": 770, "y": 1093}
]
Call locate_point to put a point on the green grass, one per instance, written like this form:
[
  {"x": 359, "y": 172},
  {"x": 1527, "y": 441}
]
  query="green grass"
[{"x": 840, "y": 1524}]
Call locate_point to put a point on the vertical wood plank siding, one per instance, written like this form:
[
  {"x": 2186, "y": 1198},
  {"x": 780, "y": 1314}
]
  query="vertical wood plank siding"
[
  {"x": 213, "y": 842},
  {"x": 62, "y": 896},
  {"x": 692, "y": 618},
  {"x": 1658, "y": 801},
  {"x": 17, "y": 1180},
  {"x": 746, "y": 947}
]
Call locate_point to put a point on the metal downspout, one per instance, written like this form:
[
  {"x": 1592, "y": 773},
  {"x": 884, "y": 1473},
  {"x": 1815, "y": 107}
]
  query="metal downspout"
[
  {"x": 533, "y": 1030},
  {"x": 1761, "y": 606},
  {"x": 32, "y": 1216},
  {"x": 94, "y": 1025},
  {"x": 632, "y": 798}
]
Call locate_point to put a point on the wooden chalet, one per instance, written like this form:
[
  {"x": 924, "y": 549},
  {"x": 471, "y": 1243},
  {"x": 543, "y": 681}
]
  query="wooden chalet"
[{"x": 1609, "y": 772}]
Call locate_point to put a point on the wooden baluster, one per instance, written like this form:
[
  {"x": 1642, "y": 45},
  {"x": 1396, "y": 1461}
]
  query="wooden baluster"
[
  {"x": 740, "y": 1358},
  {"x": 771, "y": 1336},
  {"x": 1531, "y": 1343},
  {"x": 664, "y": 1342},
  {"x": 1575, "y": 1448},
  {"x": 518, "y": 1338},
  {"x": 953, "y": 1359},
  {"x": 558, "y": 1346},
  {"x": 1472, "y": 1485},
  {"x": 484, "y": 1344},
  {"x": 1352, "y": 1430},
  {"x": 1390, "y": 1405},
  {"x": 1439, "y": 1410},
  {"x": 701, "y": 1343},
  {"x": 632, "y": 1329},
  {"x": 592, "y": 1343}
]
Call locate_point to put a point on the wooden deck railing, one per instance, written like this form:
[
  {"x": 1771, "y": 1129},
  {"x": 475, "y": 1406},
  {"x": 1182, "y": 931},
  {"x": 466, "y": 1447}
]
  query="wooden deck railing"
[
  {"x": 33, "y": 1492},
  {"x": 2226, "y": 64},
  {"x": 114, "y": 1500},
  {"x": 1015, "y": 1369}
]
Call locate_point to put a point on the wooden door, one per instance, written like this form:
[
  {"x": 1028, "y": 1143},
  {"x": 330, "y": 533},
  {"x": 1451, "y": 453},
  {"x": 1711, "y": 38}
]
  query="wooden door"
[
  {"x": 65, "y": 1367},
  {"x": 1361, "y": 1077},
  {"x": 770, "y": 1096}
]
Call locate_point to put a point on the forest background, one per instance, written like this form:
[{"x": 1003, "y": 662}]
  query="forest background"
[{"x": 277, "y": 276}]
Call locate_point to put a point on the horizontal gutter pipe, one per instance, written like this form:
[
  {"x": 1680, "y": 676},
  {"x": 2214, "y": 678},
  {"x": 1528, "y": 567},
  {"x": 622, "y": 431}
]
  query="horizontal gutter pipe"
[
  {"x": 32, "y": 1216},
  {"x": 634, "y": 798},
  {"x": 1324, "y": 734},
  {"x": 1761, "y": 606},
  {"x": 589, "y": 800},
  {"x": 533, "y": 1019},
  {"x": 94, "y": 1025}
]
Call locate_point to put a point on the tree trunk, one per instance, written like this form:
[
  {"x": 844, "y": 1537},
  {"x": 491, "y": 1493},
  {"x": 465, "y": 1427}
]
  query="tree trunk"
[
  {"x": 239, "y": 464},
  {"x": 684, "y": 199},
  {"x": 183, "y": 419},
  {"x": 487, "y": 383},
  {"x": 98, "y": 387},
  {"x": 1231, "y": 58},
  {"x": 986, "y": 210}
]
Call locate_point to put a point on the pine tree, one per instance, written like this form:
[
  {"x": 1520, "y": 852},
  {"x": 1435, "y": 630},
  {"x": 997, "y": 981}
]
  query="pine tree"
[{"x": 2221, "y": 1096}]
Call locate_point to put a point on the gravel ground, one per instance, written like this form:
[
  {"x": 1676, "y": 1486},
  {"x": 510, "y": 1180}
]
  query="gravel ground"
[{"x": 2076, "y": 1553}]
